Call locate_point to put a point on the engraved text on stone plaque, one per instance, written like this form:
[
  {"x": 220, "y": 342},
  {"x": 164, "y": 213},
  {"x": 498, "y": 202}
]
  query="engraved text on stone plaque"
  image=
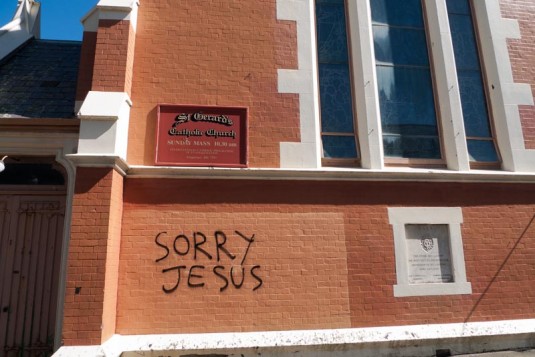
[{"x": 428, "y": 247}]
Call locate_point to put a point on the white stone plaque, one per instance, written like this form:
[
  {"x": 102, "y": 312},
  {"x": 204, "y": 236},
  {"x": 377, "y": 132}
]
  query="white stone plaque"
[{"x": 428, "y": 247}]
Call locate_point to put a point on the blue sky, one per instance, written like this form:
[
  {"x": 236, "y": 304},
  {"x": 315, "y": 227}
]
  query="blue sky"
[{"x": 60, "y": 19}]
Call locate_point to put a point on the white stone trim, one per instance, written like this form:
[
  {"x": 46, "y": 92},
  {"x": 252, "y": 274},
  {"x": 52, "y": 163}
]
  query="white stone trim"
[
  {"x": 401, "y": 216},
  {"x": 49, "y": 144},
  {"x": 90, "y": 20},
  {"x": 448, "y": 108},
  {"x": 412, "y": 340},
  {"x": 506, "y": 95},
  {"x": 24, "y": 25},
  {"x": 111, "y": 10},
  {"x": 104, "y": 120},
  {"x": 94, "y": 160},
  {"x": 390, "y": 174},
  {"x": 370, "y": 132},
  {"x": 71, "y": 179},
  {"x": 302, "y": 81}
]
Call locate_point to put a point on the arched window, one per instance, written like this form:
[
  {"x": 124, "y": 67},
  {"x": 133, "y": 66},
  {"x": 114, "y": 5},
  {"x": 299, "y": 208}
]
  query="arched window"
[
  {"x": 477, "y": 124},
  {"x": 404, "y": 80},
  {"x": 418, "y": 104},
  {"x": 338, "y": 127}
]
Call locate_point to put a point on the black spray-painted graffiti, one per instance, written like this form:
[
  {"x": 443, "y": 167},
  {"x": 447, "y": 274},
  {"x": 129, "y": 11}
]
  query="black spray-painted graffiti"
[{"x": 183, "y": 245}]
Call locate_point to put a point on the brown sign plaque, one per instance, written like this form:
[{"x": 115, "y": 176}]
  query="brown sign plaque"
[{"x": 192, "y": 135}]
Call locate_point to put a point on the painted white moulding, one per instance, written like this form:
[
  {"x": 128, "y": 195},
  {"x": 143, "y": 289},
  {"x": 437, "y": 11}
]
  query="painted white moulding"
[
  {"x": 60, "y": 145},
  {"x": 111, "y": 10},
  {"x": 448, "y": 92},
  {"x": 505, "y": 94},
  {"x": 369, "y": 128},
  {"x": 413, "y": 340},
  {"x": 399, "y": 217},
  {"x": 104, "y": 119},
  {"x": 302, "y": 81},
  {"x": 24, "y": 25}
]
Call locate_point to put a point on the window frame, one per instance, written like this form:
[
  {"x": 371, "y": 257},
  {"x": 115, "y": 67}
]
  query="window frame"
[
  {"x": 399, "y": 217},
  {"x": 452, "y": 136},
  {"x": 421, "y": 162},
  {"x": 497, "y": 165},
  {"x": 340, "y": 162}
]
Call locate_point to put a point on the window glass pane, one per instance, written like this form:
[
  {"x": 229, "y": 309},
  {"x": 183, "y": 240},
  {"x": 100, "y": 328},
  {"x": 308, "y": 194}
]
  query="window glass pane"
[
  {"x": 473, "y": 102},
  {"x": 335, "y": 80},
  {"x": 411, "y": 146},
  {"x": 482, "y": 151},
  {"x": 335, "y": 97},
  {"x": 473, "y": 98},
  {"x": 339, "y": 147},
  {"x": 397, "y": 12},
  {"x": 407, "y": 103},
  {"x": 331, "y": 32},
  {"x": 400, "y": 46},
  {"x": 458, "y": 7},
  {"x": 464, "y": 42},
  {"x": 406, "y": 100}
]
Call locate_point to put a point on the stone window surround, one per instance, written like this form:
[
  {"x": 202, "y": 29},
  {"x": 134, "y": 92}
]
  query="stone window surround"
[
  {"x": 399, "y": 217},
  {"x": 493, "y": 33}
]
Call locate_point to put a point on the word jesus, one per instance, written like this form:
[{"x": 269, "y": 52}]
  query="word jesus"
[{"x": 197, "y": 245}]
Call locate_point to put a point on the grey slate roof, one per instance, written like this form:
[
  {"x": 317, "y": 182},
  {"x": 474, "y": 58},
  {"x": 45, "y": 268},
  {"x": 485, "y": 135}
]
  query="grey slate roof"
[{"x": 39, "y": 80}]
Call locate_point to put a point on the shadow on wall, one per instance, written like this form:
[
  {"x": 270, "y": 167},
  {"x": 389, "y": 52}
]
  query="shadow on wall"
[
  {"x": 192, "y": 191},
  {"x": 501, "y": 268}
]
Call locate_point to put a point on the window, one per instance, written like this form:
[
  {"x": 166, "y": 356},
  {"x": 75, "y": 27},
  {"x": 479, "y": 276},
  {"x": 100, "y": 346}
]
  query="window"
[
  {"x": 337, "y": 123},
  {"x": 429, "y": 251},
  {"x": 389, "y": 97},
  {"x": 405, "y": 88},
  {"x": 479, "y": 132}
]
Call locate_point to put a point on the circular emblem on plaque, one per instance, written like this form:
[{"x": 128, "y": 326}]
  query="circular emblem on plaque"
[{"x": 427, "y": 244}]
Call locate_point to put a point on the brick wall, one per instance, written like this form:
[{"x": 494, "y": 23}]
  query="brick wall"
[
  {"x": 109, "y": 309},
  {"x": 112, "y": 57},
  {"x": 93, "y": 252},
  {"x": 87, "y": 61},
  {"x": 325, "y": 253},
  {"x": 522, "y": 53},
  {"x": 214, "y": 53}
]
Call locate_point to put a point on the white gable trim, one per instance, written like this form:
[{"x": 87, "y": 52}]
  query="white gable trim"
[
  {"x": 111, "y": 10},
  {"x": 24, "y": 25}
]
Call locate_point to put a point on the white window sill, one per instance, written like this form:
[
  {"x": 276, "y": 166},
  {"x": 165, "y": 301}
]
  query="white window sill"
[{"x": 432, "y": 289}]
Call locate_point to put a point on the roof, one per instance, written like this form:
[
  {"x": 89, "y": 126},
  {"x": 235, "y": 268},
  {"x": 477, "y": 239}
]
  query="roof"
[{"x": 39, "y": 80}]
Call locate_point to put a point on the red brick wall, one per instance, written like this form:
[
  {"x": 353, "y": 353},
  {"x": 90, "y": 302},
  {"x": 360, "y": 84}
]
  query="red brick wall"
[
  {"x": 112, "y": 58},
  {"x": 112, "y": 256},
  {"x": 93, "y": 251},
  {"x": 87, "y": 61},
  {"x": 129, "y": 68},
  {"x": 214, "y": 53},
  {"x": 325, "y": 251},
  {"x": 217, "y": 54},
  {"x": 522, "y": 53}
]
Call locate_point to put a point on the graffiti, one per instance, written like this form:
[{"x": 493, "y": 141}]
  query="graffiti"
[{"x": 203, "y": 248}]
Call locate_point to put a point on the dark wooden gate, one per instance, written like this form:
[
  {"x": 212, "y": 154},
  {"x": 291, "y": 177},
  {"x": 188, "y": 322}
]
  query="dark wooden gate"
[{"x": 31, "y": 229}]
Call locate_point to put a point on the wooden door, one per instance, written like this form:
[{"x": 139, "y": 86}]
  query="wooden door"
[{"x": 31, "y": 230}]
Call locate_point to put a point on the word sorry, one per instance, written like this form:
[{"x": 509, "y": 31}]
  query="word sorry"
[{"x": 183, "y": 245}]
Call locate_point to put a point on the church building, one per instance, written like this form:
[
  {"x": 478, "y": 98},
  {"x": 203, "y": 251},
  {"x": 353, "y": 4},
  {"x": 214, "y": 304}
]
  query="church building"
[{"x": 269, "y": 178}]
